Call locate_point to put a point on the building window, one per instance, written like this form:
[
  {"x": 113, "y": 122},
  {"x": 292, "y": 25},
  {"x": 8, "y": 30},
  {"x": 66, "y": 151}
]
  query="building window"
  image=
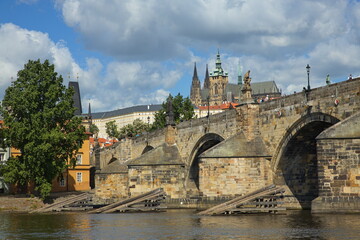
[
  {"x": 62, "y": 182},
  {"x": 79, "y": 177},
  {"x": 2, "y": 157},
  {"x": 78, "y": 159}
]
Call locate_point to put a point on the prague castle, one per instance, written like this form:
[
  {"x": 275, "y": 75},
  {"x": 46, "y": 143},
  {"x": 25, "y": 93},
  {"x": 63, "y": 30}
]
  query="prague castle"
[{"x": 217, "y": 89}]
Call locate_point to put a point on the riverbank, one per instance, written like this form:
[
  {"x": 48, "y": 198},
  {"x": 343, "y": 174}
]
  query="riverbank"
[
  {"x": 24, "y": 203},
  {"x": 20, "y": 203}
]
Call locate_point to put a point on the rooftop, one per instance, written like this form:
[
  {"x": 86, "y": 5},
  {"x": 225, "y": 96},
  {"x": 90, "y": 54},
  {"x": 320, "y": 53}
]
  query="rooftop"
[{"x": 129, "y": 110}]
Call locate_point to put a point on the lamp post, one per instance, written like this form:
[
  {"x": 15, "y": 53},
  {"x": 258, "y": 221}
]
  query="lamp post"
[
  {"x": 208, "y": 105},
  {"x": 147, "y": 132},
  {"x": 308, "y": 73}
]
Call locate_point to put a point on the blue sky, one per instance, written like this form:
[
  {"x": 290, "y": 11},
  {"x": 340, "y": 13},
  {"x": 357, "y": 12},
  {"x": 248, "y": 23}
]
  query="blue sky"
[{"x": 135, "y": 52}]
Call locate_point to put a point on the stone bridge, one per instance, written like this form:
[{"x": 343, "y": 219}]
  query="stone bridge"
[{"x": 308, "y": 142}]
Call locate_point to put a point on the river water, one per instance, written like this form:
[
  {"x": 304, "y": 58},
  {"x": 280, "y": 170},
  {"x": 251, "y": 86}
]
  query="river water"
[{"x": 178, "y": 224}]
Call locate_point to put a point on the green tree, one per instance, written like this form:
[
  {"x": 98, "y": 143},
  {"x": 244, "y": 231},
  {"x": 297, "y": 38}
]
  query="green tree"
[
  {"x": 112, "y": 129},
  {"x": 94, "y": 129},
  {"x": 136, "y": 128},
  {"x": 182, "y": 108},
  {"x": 39, "y": 121}
]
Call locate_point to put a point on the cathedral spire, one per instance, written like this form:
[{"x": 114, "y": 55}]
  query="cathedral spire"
[
  {"x": 195, "y": 79},
  {"x": 218, "y": 69},
  {"x": 195, "y": 75},
  {"x": 89, "y": 114},
  {"x": 195, "y": 88},
  {"x": 89, "y": 110},
  {"x": 218, "y": 60},
  {"x": 207, "y": 80}
]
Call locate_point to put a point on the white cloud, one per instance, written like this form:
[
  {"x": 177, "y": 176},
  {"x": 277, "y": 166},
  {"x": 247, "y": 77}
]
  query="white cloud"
[
  {"x": 143, "y": 75},
  {"x": 141, "y": 29},
  {"x": 275, "y": 38},
  {"x": 17, "y": 47},
  {"x": 152, "y": 44},
  {"x": 117, "y": 85}
]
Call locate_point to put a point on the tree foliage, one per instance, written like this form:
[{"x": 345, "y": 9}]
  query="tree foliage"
[
  {"x": 134, "y": 129},
  {"x": 182, "y": 108},
  {"x": 112, "y": 129},
  {"x": 39, "y": 121},
  {"x": 130, "y": 130},
  {"x": 94, "y": 129}
]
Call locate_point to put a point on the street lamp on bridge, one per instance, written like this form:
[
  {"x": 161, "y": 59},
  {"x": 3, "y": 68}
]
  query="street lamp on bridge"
[
  {"x": 208, "y": 105},
  {"x": 308, "y": 73}
]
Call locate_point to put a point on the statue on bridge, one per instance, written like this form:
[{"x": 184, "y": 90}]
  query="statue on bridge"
[
  {"x": 247, "y": 78},
  {"x": 246, "y": 91}
]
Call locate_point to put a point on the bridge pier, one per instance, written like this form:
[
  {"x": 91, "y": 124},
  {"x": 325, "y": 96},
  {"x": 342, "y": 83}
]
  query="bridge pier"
[{"x": 338, "y": 150}]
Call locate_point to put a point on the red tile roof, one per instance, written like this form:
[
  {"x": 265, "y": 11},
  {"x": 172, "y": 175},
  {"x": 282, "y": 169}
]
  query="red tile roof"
[
  {"x": 219, "y": 107},
  {"x": 102, "y": 140}
]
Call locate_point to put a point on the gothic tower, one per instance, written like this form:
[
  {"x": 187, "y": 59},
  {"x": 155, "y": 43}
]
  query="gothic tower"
[
  {"x": 218, "y": 80},
  {"x": 195, "y": 96},
  {"x": 206, "y": 80}
]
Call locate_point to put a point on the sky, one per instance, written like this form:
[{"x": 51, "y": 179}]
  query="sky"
[{"x": 137, "y": 52}]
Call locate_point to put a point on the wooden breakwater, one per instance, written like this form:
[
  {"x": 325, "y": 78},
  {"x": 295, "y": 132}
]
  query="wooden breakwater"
[{"x": 260, "y": 201}]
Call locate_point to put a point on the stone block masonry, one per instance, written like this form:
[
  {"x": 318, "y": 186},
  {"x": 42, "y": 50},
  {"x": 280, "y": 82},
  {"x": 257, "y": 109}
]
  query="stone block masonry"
[
  {"x": 112, "y": 186},
  {"x": 339, "y": 167},
  {"x": 232, "y": 176},
  {"x": 146, "y": 178}
]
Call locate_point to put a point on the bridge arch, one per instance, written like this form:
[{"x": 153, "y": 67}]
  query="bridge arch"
[
  {"x": 295, "y": 161},
  {"x": 204, "y": 143}
]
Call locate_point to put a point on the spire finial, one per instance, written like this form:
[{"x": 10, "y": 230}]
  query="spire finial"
[
  {"x": 218, "y": 63},
  {"x": 195, "y": 76},
  {"x": 206, "y": 80},
  {"x": 89, "y": 110}
]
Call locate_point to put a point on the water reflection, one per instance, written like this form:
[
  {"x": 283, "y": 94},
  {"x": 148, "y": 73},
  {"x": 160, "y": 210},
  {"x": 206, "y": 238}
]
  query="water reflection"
[{"x": 178, "y": 224}]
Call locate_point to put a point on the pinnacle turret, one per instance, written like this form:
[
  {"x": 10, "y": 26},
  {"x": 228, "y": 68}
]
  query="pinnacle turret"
[
  {"x": 218, "y": 61},
  {"x": 195, "y": 87},
  {"x": 207, "y": 80},
  {"x": 218, "y": 69},
  {"x": 195, "y": 75}
]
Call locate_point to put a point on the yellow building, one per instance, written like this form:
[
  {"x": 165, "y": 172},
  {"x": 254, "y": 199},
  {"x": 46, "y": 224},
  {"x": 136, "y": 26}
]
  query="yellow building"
[
  {"x": 76, "y": 178},
  {"x": 73, "y": 178}
]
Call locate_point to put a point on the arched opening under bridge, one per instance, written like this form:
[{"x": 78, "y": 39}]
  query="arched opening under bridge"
[
  {"x": 296, "y": 165},
  {"x": 204, "y": 143}
]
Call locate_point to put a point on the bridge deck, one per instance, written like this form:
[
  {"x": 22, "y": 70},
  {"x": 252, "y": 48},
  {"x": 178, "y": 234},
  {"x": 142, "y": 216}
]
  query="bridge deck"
[{"x": 262, "y": 200}]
